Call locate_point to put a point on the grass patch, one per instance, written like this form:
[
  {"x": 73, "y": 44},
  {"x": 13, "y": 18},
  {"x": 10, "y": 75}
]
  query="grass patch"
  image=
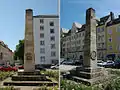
[
  {"x": 48, "y": 88},
  {"x": 9, "y": 88}
]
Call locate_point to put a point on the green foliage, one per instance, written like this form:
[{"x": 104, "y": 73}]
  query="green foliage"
[
  {"x": 19, "y": 52},
  {"x": 8, "y": 88},
  {"x": 51, "y": 73},
  {"x": 48, "y": 88},
  {"x": 112, "y": 84},
  {"x": 4, "y": 75}
]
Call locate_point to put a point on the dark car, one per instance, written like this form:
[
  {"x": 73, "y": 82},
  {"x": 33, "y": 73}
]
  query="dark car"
[
  {"x": 116, "y": 64},
  {"x": 78, "y": 62},
  {"x": 39, "y": 67},
  {"x": 55, "y": 66}
]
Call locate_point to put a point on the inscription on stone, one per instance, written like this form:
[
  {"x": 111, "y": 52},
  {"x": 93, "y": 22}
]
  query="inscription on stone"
[
  {"x": 93, "y": 55},
  {"x": 28, "y": 56}
]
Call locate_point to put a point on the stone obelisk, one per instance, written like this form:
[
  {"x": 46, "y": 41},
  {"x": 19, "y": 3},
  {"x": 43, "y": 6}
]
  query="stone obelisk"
[
  {"x": 89, "y": 73},
  {"x": 90, "y": 51},
  {"x": 29, "y": 60}
]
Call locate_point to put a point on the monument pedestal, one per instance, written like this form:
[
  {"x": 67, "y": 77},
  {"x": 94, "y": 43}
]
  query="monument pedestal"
[
  {"x": 30, "y": 79},
  {"x": 88, "y": 75}
]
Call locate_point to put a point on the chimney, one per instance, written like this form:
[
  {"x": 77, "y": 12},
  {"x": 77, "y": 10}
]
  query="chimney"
[
  {"x": 112, "y": 15},
  {"x": 119, "y": 16}
]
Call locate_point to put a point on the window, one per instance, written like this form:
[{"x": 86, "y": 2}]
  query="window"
[
  {"x": 41, "y": 35},
  {"x": 83, "y": 34},
  {"x": 52, "y": 46},
  {"x": 110, "y": 47},
  {"x": 110, "y": 31},
  {"x": 41, "y": 27},
  {"x": 102, "y": 29},
  {"x": 41, "y": 21},
  {"x": 102, "y": 45},
  {"x": 42, "y": 43},
  {"x": 42, "y": 58},
  {"x": 110, "y": 39},
  {"x": 53, "y": 53},
  {"x": 118, "y": 38},
  {"x": 79, "y": 41},
  {"x": 118, "y": 47},
  {"x": 52, "y": 38},
  {"x": 51, "y": 23},
  {"x": 98, "y": 29},
  {"x": 1, "y": 55},
  {"x": 42, "y": 50},
  {"x": 98, "y": 38},
  {"x": 80, "y": 35},
  {"x": 118, "y": 29},
  {"x": 51, "y": 30}
]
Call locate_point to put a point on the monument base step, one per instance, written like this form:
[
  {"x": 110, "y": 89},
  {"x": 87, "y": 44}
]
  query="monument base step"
[
  {"x": 36, "y": 72},
  {"x": 88, "y": 69},
  {"x": 89, "y": 74},
  {"x": 92, "y": 81},
  {"x": 29, "y": 83},
  {"x": 30, "y": 78}
]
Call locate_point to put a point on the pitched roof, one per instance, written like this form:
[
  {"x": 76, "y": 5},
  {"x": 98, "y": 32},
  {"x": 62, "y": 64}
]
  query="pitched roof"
[
  {"x": 113, "y": 22},
  {"x": 78, "y": 25},
  {"x": 46, "y": 16}
]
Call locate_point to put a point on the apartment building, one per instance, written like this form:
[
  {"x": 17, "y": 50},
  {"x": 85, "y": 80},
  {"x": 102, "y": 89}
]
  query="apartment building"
[
  {"x": 102, "y": 35},
  {"x": 108, "y": 37},
  {"x": 6, "y": 55},
  {"x": 46, "y": 39},
  {"x": 73, "y": 42},
  {"x": 113, "y": 38}
]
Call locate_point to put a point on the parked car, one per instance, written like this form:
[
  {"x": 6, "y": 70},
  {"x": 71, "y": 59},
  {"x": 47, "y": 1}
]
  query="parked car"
[
  {"x": 116, "y": 64},
  {"x": 68, "y": 62},
  {"x": 39, "y": 67},
  {"x": 78, "y": 62},
  {"x": 100, "y": 63},
  {"x": 55, "y": 67},
  {"x": 108, "y": 64},
  {"x": 62, "y": 60},
  {"x": 8, "y": 68},
  {"x": 21, "y": 67}
]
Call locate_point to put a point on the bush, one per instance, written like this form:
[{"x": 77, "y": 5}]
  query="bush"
[
  {"x": 112, "y": 84},
  {"x": 4, "y": 75},
  {"x": 53, "y": 74}
]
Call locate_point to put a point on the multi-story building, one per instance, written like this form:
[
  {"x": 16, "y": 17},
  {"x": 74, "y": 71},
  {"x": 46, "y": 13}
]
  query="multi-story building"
[
  {"x": 73, "y": 42},
  {"x": 113, "y": 38},
  {"x": 6, "y": 55},
  {"x": 101, "y": 35},
  {"x": 108, "y": 37},
  {"x": 46, "y": 39}
]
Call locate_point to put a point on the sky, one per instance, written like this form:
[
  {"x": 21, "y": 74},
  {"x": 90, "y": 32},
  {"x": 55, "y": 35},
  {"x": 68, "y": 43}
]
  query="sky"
[
  {"x": 12, "y": 17},
  {"x": 75, "y": 10}
]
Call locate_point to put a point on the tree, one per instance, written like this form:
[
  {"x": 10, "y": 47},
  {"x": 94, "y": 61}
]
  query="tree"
[{"x": 19, "y": 52}]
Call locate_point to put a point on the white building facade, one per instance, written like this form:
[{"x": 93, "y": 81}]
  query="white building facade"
[{"x": 46, "y": 39}]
